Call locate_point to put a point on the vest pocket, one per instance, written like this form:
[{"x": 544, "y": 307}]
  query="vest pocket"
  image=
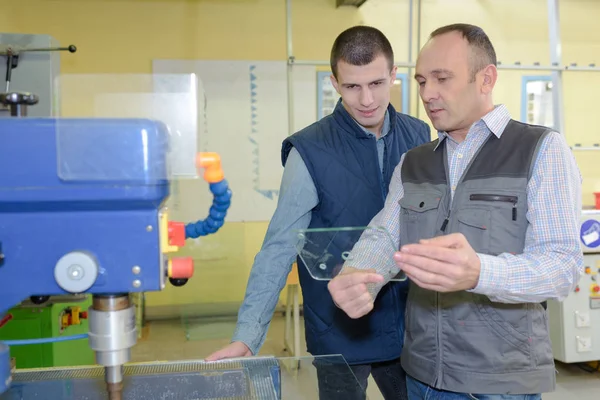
[
  {"x": 474, "y": 223},
  {"x": 418, "y": 216},
  {"x": 509, "y": 325},
  {"x": 508, "y": 222},
  {"x": 498, "y": 198}
]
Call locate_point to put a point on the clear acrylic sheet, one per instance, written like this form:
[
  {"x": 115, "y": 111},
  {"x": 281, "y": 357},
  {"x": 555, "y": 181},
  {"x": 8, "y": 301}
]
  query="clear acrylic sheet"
[
  {"x": 324, "y": 251},
  {"x": 252, "y": 378},
  {"x": 128, "y": 126}
]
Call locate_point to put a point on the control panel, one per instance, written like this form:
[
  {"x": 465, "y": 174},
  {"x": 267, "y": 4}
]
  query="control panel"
[{"x": 575, "y": 322}]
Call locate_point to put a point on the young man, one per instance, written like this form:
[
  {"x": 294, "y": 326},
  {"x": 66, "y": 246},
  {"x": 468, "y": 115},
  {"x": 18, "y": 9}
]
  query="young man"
[
  {"x": 337, "y": 173},
  {"x": 487, "y": 220}
]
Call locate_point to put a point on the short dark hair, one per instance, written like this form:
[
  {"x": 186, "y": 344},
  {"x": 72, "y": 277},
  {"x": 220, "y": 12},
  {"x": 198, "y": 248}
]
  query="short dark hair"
[
  {"x": 483, "y": 50},
  {"x": 360, "y": 45}
]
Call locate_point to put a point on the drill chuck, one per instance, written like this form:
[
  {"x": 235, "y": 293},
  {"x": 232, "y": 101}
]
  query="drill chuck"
[{"x": 112, "y": 334}]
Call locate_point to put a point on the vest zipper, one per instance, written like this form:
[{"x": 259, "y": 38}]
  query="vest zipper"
[
  {"x": 500, "y": 198},
  {"x": 381, "y": 168},
  {"x": 445, "y": 223},
  {"x": 438, "y": 377}
]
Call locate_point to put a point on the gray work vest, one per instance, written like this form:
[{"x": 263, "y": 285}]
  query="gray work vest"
[{"x": 462, "y": 341}]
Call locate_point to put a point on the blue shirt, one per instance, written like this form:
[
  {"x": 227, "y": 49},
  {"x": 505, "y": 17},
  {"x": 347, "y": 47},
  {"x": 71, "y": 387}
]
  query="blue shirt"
[{"x": 297, "y": 197}]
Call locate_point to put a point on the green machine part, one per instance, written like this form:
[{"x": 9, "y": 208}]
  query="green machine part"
[{"x": 46, "y": 321}]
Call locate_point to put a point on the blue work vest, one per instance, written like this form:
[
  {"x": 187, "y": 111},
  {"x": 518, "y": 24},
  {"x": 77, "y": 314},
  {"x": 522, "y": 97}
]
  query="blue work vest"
[{"x": 343, "y": 162}]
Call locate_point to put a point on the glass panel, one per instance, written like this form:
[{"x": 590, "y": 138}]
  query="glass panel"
[
  {"x": 134, "y": 127},
  {"x": 324, "y": 251},
  {"x": 204, "y": 326},
  {"x": 263, "y": 378}
]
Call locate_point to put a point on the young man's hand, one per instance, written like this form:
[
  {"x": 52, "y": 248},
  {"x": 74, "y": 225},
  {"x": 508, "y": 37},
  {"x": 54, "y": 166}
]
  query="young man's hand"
[
  {"x": 233, "y": 350},
  {"x": 350, "y": 293}
]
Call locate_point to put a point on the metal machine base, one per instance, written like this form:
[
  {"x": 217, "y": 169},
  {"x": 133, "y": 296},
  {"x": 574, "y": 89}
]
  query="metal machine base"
[{"x": 5, "y": 367}]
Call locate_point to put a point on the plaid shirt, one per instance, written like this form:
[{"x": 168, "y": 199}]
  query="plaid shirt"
[{"x": 552, "y": 260}]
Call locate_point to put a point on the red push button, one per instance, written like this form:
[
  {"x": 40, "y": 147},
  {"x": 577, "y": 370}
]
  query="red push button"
[
  {"x": 181, "y": 268},
  {"x": 176, "y": 234},
  {"x": 596, "y": 289}
]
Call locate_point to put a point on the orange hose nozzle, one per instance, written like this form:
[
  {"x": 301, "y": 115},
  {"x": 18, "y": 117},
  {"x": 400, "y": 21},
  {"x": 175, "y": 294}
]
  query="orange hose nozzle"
[{"x": 211, "y": 162}]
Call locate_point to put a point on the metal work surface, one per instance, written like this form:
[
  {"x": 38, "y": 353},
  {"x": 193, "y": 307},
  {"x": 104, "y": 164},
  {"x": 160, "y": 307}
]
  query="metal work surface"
[{"x": 240, "y": 380}]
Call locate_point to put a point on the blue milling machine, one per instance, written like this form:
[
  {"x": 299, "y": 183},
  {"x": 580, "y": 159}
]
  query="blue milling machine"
[
  {"x": 108, "y": 238},
  {"x": 82, "y": 211}
]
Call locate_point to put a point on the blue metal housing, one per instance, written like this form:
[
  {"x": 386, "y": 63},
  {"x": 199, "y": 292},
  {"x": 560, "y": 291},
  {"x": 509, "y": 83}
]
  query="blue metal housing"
[{"x": 92, "y": 185}]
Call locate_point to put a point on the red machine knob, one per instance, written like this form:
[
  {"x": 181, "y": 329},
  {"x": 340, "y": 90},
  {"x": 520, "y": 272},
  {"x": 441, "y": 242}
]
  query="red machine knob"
[
  {"x": 181, "y": 268},
  {"x": 176, "y": 231},
  {"x": 596, "y": 288}
]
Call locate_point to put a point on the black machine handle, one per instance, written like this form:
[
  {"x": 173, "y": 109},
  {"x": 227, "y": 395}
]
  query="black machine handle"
[
  {"x": 70, "y": 49},
  {"x": 12, "y": 57}
]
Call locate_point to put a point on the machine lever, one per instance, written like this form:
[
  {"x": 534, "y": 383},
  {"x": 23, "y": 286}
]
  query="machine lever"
[
  {"x": 12, "y": 57},
  {"x": 18, "y": 50},
  {"x": 11, "y": 62}
]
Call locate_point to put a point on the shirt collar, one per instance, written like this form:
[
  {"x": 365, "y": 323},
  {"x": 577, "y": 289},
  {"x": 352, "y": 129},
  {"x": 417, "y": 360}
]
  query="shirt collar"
[{"x": 495, "y": 122}]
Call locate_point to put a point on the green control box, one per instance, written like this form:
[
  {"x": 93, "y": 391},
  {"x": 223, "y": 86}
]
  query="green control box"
[{"x": 49, "y": 320}]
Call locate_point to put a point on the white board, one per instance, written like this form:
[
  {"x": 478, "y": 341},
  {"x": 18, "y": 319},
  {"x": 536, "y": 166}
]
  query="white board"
[{"x": 246, "y": 120}]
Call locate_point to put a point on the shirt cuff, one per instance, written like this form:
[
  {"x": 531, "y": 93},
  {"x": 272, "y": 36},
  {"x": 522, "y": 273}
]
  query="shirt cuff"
[
  {"x": 250, "y": 335},
  {"x": 490, "y": 275}
]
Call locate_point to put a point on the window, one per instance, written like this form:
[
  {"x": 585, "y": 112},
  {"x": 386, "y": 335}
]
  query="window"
[{"x": 536, "y": 101}]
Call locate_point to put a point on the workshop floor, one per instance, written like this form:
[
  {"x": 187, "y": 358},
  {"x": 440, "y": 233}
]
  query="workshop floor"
[{"x": 166, "y": 340}]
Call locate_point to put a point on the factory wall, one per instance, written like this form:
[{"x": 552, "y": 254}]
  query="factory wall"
[{"x": 124, "y": 36}]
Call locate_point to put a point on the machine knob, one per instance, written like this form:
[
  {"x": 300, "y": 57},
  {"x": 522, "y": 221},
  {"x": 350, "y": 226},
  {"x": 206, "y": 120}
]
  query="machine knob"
[
  {"x": 18, "y": 102},
  {"x": 76, "y": 272},
  {"x": 39, "y": 299},
  {"x": 181, "y": 268},
  {"x": 178, "y": 282}
]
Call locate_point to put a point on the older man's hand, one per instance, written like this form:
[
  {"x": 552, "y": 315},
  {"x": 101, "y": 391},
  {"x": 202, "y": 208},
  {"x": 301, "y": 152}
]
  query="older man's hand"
[
  {"x": 444, "y": 264},
  {"x": 350, "y": 292}
]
